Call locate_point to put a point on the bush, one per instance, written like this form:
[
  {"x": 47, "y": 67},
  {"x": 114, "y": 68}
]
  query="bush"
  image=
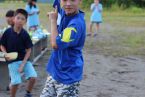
[
  {"x": 121, "y": 3},
  {"x": 135, "y": 9}
]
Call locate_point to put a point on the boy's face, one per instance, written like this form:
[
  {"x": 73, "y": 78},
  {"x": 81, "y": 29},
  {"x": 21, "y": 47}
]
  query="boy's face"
[
  {"x": 10, "y": 20},
  {"x": 33, "y": 2},
  {"x": 19, "y": 20},
  {"x": 96, "y": 1},
  {"x": 70, "y": 6}
]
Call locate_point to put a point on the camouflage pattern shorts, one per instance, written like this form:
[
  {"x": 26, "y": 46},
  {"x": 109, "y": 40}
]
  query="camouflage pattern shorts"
[{"x": 54, "y": 89}]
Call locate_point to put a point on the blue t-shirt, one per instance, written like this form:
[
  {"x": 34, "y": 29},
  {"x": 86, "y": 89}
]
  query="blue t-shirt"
[
  {"x": 14, "y": 42},
  {"x": 32, "y": 20},
  {"x": 66, "y": 62},
  {"x": 96, "y": 15}
]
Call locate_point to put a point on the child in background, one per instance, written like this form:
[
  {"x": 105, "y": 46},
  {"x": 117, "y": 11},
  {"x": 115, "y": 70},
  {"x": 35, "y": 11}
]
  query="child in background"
[
  {"x": 33, "y": 15},
  {"x": 10, "y": 21},
  {"x": 16, "y": 39},
  {"x": 96, "y": 17},
  {"x": 10, "y": 17}
]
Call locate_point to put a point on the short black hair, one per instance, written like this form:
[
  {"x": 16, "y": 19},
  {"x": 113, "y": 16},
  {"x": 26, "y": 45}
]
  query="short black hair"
[
  {"x": 21, "y": 11},
  {"x": 10, "y": 13}
]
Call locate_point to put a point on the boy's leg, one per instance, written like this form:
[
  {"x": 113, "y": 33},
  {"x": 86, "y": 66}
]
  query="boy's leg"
[
  {"x": 90, "y": 29},
  {"x": 15, "y": 77},
  {"x": 49, "y": 89},
  {"x": 97, "y": 28},
  {"x": 30, "y": 84},
  {"x": 31, "y": 75},
  {"x": 13, "y": 90},
  {"x": 71, "y": 90}
]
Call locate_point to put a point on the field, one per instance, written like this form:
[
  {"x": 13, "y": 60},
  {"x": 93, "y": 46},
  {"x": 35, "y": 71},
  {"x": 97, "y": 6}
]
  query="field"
[{"x": 114, "y": 59}]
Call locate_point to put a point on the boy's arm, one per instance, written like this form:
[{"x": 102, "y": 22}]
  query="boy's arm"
[
  {"x": 3, "y": 41},
  {"x": 93, "y": 7},
  {"x": 37, "y": 11},
  {"x": 54, "y": 32},
  {"x": 100, "y": 8},
  {"x": 27, "y": 55},
  {"x": 3, "y": 49},
  {"x": 53, "y": 20},
  {"x": 28, "y": 10}
]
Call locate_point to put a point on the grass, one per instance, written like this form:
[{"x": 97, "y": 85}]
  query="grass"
[{"x": 122, "y": 31}]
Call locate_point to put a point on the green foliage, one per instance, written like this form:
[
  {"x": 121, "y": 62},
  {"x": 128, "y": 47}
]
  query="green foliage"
[
  {"x": 108, "y": 3},
  {"x": 135, "y": 9},
  {"x": 121, "y": 3},
  {"x": 86, "y": 3}
]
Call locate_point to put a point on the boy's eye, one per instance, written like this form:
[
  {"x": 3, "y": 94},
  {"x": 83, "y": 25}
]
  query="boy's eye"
[{"x": 21, "y": 18}]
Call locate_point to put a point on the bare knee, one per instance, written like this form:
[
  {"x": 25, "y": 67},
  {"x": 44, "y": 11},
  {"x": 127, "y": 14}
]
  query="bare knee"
[{"x": 32, "y": 79}]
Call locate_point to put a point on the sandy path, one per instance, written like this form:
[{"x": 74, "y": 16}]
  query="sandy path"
[{"x": 104, "y": 76}]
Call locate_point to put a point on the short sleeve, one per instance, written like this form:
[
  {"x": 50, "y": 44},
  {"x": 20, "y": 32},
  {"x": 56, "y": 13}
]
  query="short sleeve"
[
  {"x": 3, "y": 40},
  {"x": 37, "y": 8},
  {"x": 100, "y": 7},
  {"x": 92, "y": 6},
  {"x": 69, "y": 37},
  {"x": 27, "y": 8}
]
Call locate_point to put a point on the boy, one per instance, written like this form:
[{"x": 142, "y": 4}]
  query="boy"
[
  {"x": 66, "y": 62},
  {"x": 10, "y": 20},
  {"x": 16, "y": 39},
  {"x": 96, "y": 17},
  {"x": 10, "y": 17},
  {"x": 33, "y": 15}
]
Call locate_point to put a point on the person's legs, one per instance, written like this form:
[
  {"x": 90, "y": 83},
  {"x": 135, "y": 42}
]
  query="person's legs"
[
  {"x": 31, "y": 75},
  {"x": 15, "y": 77},
  {"x": 71, "y": 90},
  {"x": 97, "y": 28},
  {"x": 13, "y": 90},
  {"x": 49, "y": 89},
  {"x": 90, "y": 29},
  {"x": 30, "y": 84}
]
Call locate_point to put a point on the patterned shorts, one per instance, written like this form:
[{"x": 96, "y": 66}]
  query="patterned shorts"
[{"x": 54, "y": 89}]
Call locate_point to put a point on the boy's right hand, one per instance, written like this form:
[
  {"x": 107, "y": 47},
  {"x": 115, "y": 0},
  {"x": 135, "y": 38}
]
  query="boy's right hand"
[{"x": 53, "y": 14}]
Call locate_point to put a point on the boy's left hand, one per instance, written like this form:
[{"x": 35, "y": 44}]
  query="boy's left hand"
[{"x": 53, "y": 15}]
